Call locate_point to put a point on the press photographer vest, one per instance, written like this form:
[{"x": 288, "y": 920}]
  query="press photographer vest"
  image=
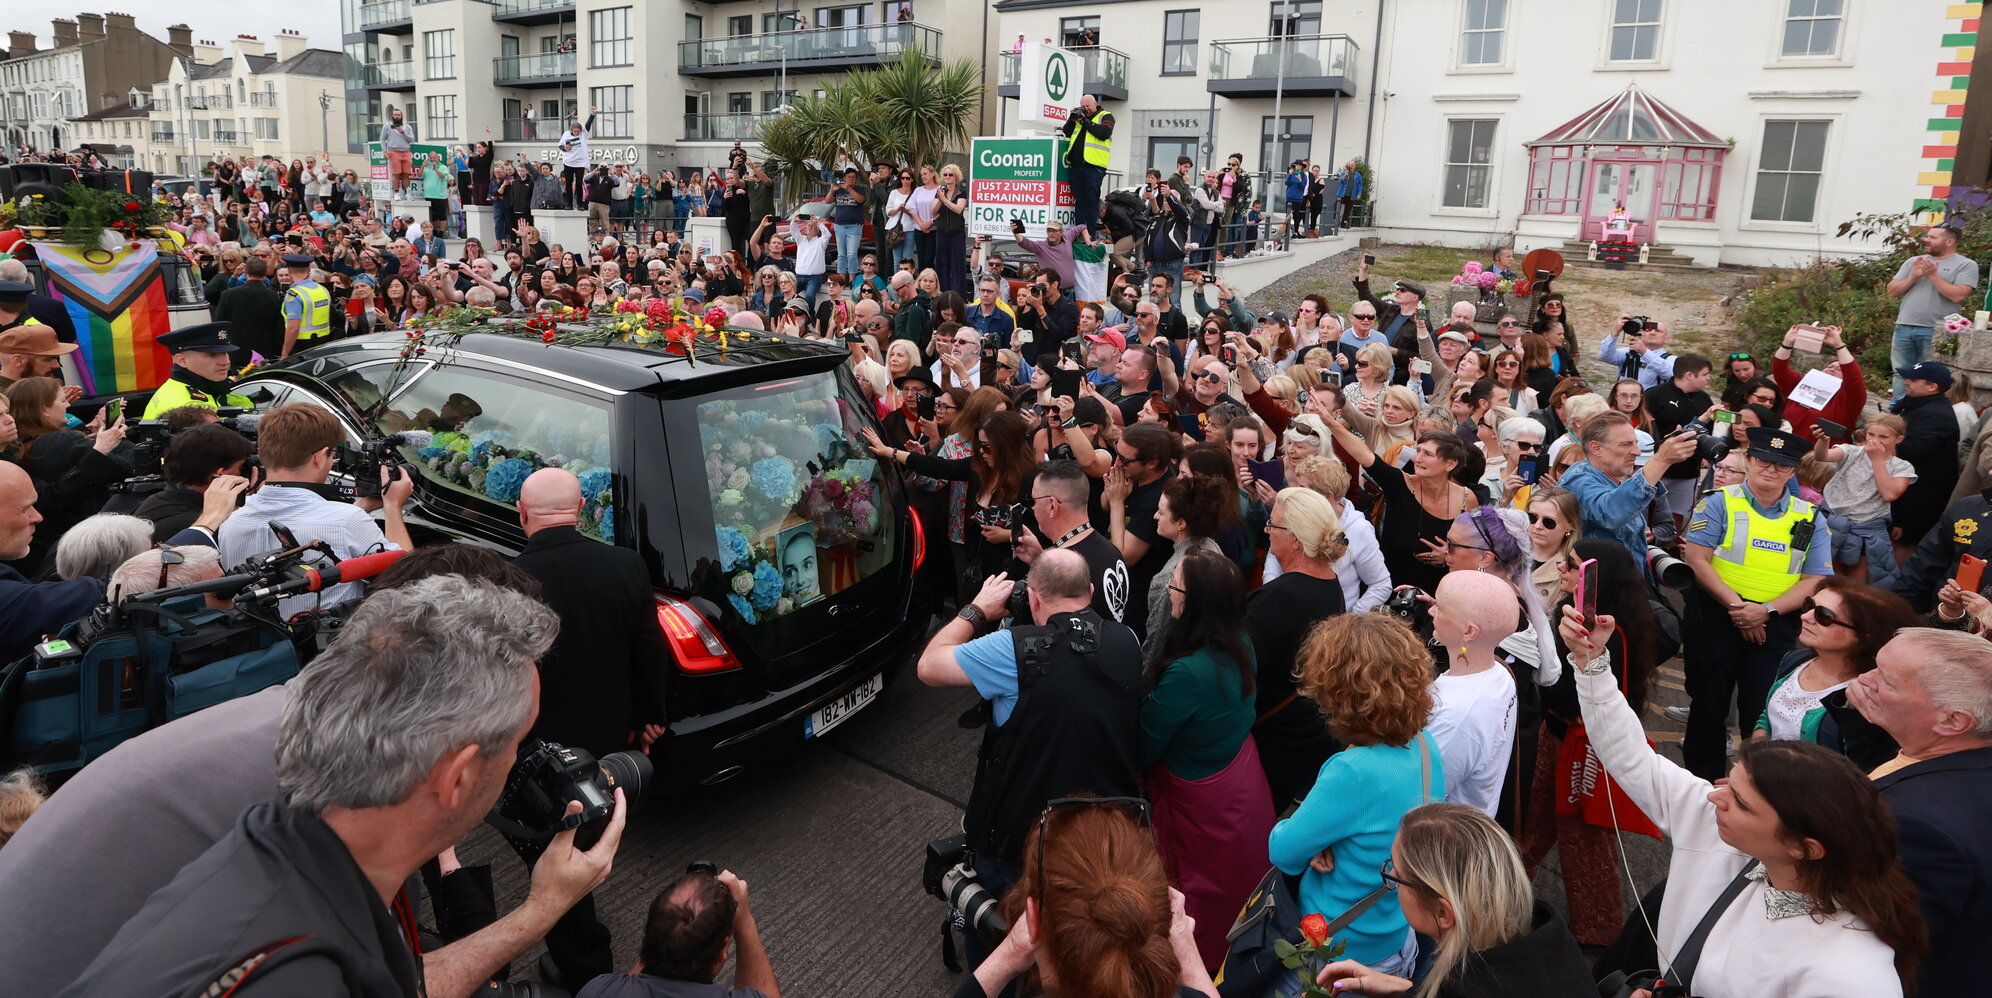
[
  {"x": 1757, "y": 558},
  {"x": 1073, "y": 730}
]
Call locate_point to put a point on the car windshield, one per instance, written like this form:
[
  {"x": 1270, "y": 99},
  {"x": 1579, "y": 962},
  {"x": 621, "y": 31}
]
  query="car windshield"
[
  {"x": 799, "y": 506},
  {"x": 481, "y": 435}
]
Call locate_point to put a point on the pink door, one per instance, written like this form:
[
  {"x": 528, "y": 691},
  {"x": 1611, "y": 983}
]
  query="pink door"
[{"x": 1614, "y": 185}]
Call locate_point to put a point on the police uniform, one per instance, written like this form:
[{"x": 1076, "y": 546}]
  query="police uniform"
[
  {"x": 307, "y": 303},
  {"x": 25, "y": 334},
  {"x": 188, "y": 388},
  {"x": 14, "y": 294},
  {"x": 1760, "y": 553},
  {"x": 1964, "y": 528}
]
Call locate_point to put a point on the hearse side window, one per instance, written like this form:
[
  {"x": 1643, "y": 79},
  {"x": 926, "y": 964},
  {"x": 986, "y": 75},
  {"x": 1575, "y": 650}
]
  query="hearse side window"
[{"x": 486, "y": 434}]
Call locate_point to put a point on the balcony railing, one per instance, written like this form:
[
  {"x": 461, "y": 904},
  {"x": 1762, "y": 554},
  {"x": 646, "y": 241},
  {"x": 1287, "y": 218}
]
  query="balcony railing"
[
  {"x": 262, "y": 99},
  {"x": 376, "y": 14},
  {"x": 526, "y": 70},
  {"x": 740, "y": 126},
  {"x": 1106, "y": 72},
  {"x": 533, "y": 11},
  {"x": 752, "y": 55},
  {"x": 389, "y": 74},
  {"x": 163, "y": 135},
  {"x": 1297, "y": 65},
  {"x": 533, "y": 130},
  {"x": 229, "y": 136}
]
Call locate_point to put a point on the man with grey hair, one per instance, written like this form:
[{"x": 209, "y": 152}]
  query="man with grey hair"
[
  {"x": 392, "y": 746},
  {"x": 98, "y": 544},
  {"x": 143, "y": 572},
  {"x": 1931, "y": 690}
]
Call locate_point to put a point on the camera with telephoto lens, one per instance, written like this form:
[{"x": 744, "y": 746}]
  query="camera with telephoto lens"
[
  {"x": 533, "y": 807},
  {"x": 365, "y": 461},
  {"x": 1634, "y": 325},
  {"x": 1670, "y": 571},
  {"x": 1708, "y": 446},
  {"x": 950, "y": 876}
]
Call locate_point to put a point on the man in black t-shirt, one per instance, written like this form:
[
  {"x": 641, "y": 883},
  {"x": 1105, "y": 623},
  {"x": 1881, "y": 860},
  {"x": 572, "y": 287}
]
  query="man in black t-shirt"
[
  {"x": 1673, "y": 405},
  {"x": 1146, "y": 456},
  {"x": 1059, "y": 500}
]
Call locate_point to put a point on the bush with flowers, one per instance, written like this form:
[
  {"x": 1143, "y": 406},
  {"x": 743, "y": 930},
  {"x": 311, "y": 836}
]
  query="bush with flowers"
[{"x": 1490, "y": 286}]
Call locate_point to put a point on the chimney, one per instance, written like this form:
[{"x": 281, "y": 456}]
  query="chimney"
[
  {"x": 180, "y": 37},
  {"x": 90, "y": 27},
  {"x": 118, "y": 24},
  {"x": 20, "y": 43},
  {"x": 206, "y": 53},
  {"x": 246, "y": 46},
  {"x": 65, "y": 31},
  {"x": 290, "y": 45}
]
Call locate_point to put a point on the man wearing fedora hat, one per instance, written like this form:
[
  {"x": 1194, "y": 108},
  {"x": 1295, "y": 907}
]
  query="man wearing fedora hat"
[{"x": 200, "y": 371}]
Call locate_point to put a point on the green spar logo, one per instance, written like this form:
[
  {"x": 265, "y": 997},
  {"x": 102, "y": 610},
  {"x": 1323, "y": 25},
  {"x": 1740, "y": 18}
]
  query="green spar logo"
[{"x": 1057, "y": 76}]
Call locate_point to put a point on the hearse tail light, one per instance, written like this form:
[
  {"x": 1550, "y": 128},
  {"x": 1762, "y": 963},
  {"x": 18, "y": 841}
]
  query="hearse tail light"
[{"x": 694, "y": 643}]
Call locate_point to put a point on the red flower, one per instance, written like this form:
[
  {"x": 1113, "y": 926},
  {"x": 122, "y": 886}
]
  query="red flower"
[
  {"x": 133, "y": 206},
  {"x": 833, "y": 488},
  {"x": 1314, "y": 929},
  {"x": 716, "y": 316}
]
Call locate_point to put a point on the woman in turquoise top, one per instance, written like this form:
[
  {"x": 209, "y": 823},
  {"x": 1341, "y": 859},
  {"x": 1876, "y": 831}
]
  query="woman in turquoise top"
[
  {"x": 639, "y": 197},
  {"x": 1372, "y": 679},
  {"x": 1211, "y": 807}
]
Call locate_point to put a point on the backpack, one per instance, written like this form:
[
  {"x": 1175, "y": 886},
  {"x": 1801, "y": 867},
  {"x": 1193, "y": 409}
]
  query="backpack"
[{"x": 100, "y": 683}]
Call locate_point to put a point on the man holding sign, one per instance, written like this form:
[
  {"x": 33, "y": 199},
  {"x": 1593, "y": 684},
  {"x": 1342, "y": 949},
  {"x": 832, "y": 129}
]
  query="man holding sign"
[{"x": 1089, "y": 141}]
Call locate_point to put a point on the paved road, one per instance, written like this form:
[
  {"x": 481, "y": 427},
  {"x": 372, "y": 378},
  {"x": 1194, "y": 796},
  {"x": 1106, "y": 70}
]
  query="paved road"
[{"x": 831, "y": 840}]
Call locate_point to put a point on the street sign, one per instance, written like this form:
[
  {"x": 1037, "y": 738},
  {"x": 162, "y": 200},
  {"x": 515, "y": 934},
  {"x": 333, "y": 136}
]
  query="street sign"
[
  {"x": 1021, "y": 179},
  {"x": 1050, "y": 81}
]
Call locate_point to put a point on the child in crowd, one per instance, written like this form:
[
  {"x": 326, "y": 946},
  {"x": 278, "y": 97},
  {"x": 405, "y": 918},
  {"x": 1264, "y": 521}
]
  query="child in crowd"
[{"x": 1869, "y": 477}]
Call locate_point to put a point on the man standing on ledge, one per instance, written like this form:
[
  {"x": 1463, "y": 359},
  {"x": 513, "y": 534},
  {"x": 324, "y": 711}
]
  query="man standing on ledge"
[{"x": 1089, "y": 141}]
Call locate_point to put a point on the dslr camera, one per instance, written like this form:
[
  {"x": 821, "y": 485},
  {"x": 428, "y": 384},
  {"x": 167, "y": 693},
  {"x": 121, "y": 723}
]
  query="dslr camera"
[
  {"x": 1405, "y": 605},
  {"x": 1635, "y": 324},
  {"x": 949, "y": 874},
  {"x": 365, "y": 462},
  {"x": 533, "y": 807}
]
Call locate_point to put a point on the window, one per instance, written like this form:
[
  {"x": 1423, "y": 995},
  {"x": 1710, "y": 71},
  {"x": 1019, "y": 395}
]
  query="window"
[
  {"x": 1179, "y": 42},
  {"x": 783, "y": 20},
  {"x": 1294, "y": 18},
  {"x": 1486, "y": 28},
  {"x": 441, "y": 113},
  {"x": 1812, "y": 27},
  {"x": 1636, "y": 30},
  {"x": 1468, "y": 149},
  {"x": 740, "y": 103},
  {"x": 1072, "y": 31},
  {"x": 266, "y": 128},
  {"x": 1556, "y": 181},
  {"x": 508, "y": 45},
  {"x": 1291, "y": 139},
  {"x": 694, "y": 27},
  {"x": 439, "y": 54},
  {"x": 615, "y": 120},
  {"x": 608, "y": 37},
  {"x": 740, "y": 25},
  {"x": 775, "y": 100},
  {"x": 1788, "y": 174},
  {"x": 488, "y": 434},
  {"x": 1163, "y": 150}
]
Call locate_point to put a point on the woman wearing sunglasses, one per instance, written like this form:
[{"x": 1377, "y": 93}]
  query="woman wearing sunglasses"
[
  {"x": 1372, "y": 678},
  {"x": 1094, "y": 915},
  {"x": 1460, "y": 882},
  {"x": 1840, "y": 630}
]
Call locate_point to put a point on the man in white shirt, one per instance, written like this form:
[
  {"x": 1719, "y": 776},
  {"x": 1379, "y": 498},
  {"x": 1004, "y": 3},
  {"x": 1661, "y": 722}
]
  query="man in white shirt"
[
  {"x": 961, "y": 366},
  {"x": 1643, "y": 357},
  {"x": 298, "y": 443},
  {"x": 812, "y": 244},
  {"x": 574, "y": 160},
  {"x": 1473, "y": 713}
]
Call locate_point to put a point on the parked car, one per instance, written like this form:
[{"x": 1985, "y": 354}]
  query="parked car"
[{"x": 782, "y": 554}]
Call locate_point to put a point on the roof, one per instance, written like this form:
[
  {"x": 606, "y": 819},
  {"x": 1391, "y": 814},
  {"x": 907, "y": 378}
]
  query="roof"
[
  {"x": 122, "y": 109},
  {"x": 226, "y": 68},
  {"x": 310, "y": 62},
  {"x": 1635, "y": 117}
]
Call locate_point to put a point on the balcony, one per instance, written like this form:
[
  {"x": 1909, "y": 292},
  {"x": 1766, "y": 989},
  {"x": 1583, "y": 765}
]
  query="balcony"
[
  {"x": 389, "y": 75},
  {"x": 532, "y": 11},
  {"x": 544, "y": 69},
  {"x": 741, "y": 126},
  {"x": 385, "y": 15},
  {"x": 1293, "y": 65},
  {"x": 1106, "y": 72},
  {"x": 533, "y": 130},
  {"x": 164, "y": 135},
  {"x": 821, "y": 50},
  {"x": 227, "y": 137},
  {"x": 262, "y": 99}
]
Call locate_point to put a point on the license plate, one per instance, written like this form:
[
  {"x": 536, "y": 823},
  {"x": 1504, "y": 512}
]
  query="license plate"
[{"x": 840, "y": 710}]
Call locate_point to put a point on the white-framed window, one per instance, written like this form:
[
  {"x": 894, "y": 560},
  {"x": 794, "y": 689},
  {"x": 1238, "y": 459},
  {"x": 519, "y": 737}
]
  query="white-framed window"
[
  {"x": 1635, "y": 30},
  {"x": 1789, "y": 168},
  {"x": 441, "y": 113},
  {"x": 1469, "y": 155},
  {"x": 266, "y": 128},
  {"x": 439, "y": 54},
  {"x": 1484, "y": 33},
  {"x": 1812, "y": 28},
  {"x": 1179, "y": 42},
  {"x": 614, "y": 120},
  {"x": 609, "y": 37}
]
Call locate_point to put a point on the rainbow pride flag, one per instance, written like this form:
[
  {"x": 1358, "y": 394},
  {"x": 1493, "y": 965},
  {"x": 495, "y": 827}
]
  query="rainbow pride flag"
[{"x": 117, "y": 303}]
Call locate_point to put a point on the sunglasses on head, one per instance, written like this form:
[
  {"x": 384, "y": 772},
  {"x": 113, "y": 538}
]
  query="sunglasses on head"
[{"x": 1741, "y": 356}]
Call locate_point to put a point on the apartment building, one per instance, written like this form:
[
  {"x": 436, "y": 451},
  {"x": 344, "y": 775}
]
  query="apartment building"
[
  {"x": 119, "y": 134},
  {"x": 95, "y": 61},
  {"x": 677, "y": 83},
  {"x": 246, "y": 101}
]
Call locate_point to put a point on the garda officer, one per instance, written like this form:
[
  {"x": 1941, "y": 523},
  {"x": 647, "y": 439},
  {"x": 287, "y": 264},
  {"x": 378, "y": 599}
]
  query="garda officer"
[
  {"x": 307, "y": 306},
  {"x": 1964, "y": 528},
  {"x": 200, "y": 371},
  {"x": 14, "y": 305},
  {"x": 1089, "y": 141},
  {"x": 1758, "y": 553}
]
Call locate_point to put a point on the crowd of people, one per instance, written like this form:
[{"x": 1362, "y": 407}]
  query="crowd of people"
[{"x": 1370, "y": 600}]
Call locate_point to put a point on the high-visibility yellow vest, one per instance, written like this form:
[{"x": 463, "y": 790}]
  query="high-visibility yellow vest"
[
  {"x": 1756, "y": 557},
  {"x": 316, "y": 320},
  {"x": 1096, "y": 149},
  {"x": 176, "y": 393}
]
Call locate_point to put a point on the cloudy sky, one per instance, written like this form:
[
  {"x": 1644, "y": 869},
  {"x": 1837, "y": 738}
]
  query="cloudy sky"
[{"x": 318, "y": 20}]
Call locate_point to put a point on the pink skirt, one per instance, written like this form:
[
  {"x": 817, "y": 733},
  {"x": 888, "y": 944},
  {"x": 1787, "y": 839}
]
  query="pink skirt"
[{"x": 1212, "y": 833}]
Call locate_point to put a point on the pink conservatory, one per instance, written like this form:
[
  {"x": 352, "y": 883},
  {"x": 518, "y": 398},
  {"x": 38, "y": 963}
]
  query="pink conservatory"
[{"x": 1624, "y": 167}]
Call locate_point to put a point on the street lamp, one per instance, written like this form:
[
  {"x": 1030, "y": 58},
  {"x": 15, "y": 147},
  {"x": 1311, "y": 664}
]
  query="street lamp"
[{"x": 324, "y": 129}]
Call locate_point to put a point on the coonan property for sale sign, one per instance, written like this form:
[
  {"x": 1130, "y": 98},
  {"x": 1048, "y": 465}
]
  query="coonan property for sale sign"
[{"x": 1017, "y": 179}]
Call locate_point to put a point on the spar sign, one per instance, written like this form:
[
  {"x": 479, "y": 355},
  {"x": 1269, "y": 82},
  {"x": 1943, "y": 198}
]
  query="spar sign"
[
  {"x": 1049, "y": 80},
  {"x": 1021, "y": 179}
]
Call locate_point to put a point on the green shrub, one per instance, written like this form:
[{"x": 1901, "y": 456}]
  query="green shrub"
[{"x": 1852, "y": 294}]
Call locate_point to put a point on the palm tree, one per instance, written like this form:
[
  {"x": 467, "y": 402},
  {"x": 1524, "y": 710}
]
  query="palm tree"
[{"x": 906, "y": 111}]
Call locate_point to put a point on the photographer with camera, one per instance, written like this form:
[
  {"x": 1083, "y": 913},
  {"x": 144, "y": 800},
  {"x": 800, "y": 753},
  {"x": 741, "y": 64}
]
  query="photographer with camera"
[
  {"x": 685, "y": 942},
  {"x": 194, "y": 459},
  {"x": 1065, "y": 696},
  {"x": 1644, "y": 354},
  {"x": 392, "y": 746},
  {"x": 1612, "y": 489},
  {"x": 299, "y": 444}
]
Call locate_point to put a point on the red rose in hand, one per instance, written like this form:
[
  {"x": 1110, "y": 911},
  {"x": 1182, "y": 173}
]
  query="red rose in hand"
[{"x": 1314, "y": 929}]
